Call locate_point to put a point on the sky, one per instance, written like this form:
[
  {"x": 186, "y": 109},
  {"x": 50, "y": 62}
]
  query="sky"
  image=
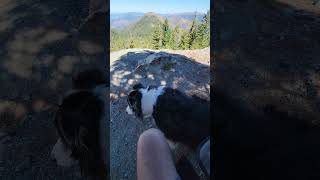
[{"x": 159, "y": 6}]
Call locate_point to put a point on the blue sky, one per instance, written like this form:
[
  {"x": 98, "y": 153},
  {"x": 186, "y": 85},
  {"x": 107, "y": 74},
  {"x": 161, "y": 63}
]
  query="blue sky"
[{"x": 159, "y": 6}]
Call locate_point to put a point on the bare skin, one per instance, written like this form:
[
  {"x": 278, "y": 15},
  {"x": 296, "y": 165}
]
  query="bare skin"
[{"x": 154, "y": 159}]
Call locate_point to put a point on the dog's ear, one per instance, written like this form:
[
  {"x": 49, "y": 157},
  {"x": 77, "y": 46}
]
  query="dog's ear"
[
  {"x": 137, "y": 86},
  {"x": 133, "y": 97}
]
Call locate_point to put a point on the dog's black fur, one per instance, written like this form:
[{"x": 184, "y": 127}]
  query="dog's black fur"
[
  {"x": 77, "y": 122},
  {"x": 180, "y": 117},
  {"x": 88, "y": 79},
  {"x": 261, "y": 145}
]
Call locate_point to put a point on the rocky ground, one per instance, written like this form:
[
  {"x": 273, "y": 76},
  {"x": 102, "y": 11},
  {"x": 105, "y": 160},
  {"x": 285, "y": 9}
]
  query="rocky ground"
[
  {"x": 40, "y": 47},
  {"x": 170, "y": 68}
]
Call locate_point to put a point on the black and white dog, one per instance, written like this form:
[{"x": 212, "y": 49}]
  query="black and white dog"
[
  {"x": 181, "y": 118},
  {"x": 81, "y": 125}
]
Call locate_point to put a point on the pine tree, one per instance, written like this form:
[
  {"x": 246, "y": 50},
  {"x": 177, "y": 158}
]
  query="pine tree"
[
  {"x": 193, "y": 32},
  {"x": 171, "y": 44},
  {"x": 185, "y": 39},
  {"x": 176, "y": 37},
  {"x": 204, "y": 31},
  {"x": 172, "y": 40},
  {"x": 166, "y": 33},
  {"x": 206, "y": 40},
  {"x": 202, "y": 38},
  {"x": 156, "y": 38}
]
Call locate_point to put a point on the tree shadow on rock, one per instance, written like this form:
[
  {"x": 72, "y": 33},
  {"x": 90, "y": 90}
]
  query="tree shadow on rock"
[{"x": 172, "y": 70}]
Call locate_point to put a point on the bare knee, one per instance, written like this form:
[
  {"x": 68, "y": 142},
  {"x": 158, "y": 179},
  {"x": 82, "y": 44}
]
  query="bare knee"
[
  {"x": 151, "y": 138},
  {"x": 154, "y": 159},
  {"x": 152, "y": 143}
]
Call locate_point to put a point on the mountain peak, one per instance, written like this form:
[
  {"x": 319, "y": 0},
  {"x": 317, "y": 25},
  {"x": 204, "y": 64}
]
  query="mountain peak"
[{"x": 150, "y": 14}]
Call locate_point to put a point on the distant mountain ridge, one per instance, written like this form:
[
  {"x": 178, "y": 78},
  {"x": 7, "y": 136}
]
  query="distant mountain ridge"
[
  {"x": 138, "y": 32},
  {"x": 144, "y": 26},
  {"x": 123, "y": 20}
]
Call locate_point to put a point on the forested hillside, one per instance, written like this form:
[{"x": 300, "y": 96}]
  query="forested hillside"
[{"x": 157, "y": 32}]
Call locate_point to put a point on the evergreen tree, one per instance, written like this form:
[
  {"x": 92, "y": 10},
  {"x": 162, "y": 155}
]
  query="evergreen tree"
[
  {"x": 206, "y": 40},
  {"x": 156, "y": 38},
  {"x": 176, "y": 37},
  {"x": 171, "y": 44},
  {"x": 172, "y": 40},
  {"x": 193, "y": 32},
  {"x": 166, "y": 33},
  {"x": 202, "y": 38},
  {"x": 185, "y": 39},
  {"x": 204, "y": 31}
]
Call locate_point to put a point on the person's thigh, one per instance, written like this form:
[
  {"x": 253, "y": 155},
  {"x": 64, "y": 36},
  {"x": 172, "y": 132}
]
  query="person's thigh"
[{"x": 154, "y": 159}]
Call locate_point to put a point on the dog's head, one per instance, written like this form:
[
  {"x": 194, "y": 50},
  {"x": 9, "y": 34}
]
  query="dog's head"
[
  {"x": 77, "y": 122},
  {"x": 141, "y": 100}
]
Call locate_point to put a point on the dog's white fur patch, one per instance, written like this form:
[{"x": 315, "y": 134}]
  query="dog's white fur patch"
[
  {"x": 149, "y": 99},
  {"x": 129, "y": 110},
  {"x": 62, "y": 154}
]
